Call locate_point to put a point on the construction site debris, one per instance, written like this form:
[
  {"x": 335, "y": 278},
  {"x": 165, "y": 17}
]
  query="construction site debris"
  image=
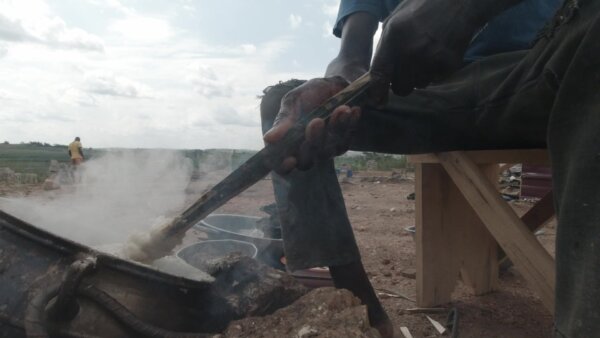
[
  {"x": 323, "y": 312},
  {"x": 439, "y": 327},
  {"x": 251, "y": 288},
  {"x": 405, "y": 332},
  {"x": 408, "y": 273}
]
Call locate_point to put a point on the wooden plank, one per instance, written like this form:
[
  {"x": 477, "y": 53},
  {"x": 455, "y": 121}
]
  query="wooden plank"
[
  {"x": 435, "y": 278},
  {"x": 540, "y": 213},
  {"x": 451, "y": 240},
  {"x": 533, "y": 261},
  {"x": 532, "y": 156},
  {"x": 473, "y": 244}
]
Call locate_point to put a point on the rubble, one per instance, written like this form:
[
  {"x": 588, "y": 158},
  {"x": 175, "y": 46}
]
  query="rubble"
[
  {"x": 251, "y": 288},
  {"x": 9, "y": 176},
  {"x": 323, "y": 312}
]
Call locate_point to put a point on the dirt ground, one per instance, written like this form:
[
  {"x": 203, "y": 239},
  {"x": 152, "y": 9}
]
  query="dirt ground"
[{"x": 380, "y": 212}]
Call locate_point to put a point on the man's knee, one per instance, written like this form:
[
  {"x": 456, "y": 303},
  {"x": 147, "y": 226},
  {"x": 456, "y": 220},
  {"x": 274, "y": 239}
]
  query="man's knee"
[{"x": 271, "y": 100}]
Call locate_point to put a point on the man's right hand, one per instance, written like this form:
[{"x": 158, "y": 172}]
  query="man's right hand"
[
  {"x": 423, "y": 40},
  {"x": 322, "y": 139}
]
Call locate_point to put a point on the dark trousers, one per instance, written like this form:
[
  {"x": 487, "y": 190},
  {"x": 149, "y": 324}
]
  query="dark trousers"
[{"x": 548, "y": 96}]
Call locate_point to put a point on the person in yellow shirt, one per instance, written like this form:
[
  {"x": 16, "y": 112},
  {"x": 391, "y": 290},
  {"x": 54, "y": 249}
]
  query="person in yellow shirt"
[{"x": 76, "y": 152}]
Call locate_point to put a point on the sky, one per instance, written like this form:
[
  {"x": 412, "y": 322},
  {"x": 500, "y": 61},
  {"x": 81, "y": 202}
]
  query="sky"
[{"x": 153, "y": 73}]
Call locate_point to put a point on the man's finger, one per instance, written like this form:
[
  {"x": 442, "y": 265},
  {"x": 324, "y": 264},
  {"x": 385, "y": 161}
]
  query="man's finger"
[
  {"x": 315, "y": 130},
  {"x": 278, "y": 131},
  {"x": 288, "y": 164},
  {"x": 339, "y": 115}
]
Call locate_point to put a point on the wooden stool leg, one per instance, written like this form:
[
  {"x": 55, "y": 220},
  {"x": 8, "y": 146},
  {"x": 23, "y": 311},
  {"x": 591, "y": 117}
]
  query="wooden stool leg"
[
  {"x": 451, "y": 240},
  {"x": 436, "y": 277},
  {"x": 521, "y": 246}
]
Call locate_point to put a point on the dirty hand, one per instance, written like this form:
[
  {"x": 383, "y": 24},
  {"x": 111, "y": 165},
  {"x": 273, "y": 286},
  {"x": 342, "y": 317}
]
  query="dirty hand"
[
  {"x": 421, "y": 41},
  {"x": 322, "y": 139}
]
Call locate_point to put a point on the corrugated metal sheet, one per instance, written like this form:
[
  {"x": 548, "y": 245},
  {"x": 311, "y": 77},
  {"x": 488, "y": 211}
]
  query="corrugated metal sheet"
[{"x": 536, "y": 181}]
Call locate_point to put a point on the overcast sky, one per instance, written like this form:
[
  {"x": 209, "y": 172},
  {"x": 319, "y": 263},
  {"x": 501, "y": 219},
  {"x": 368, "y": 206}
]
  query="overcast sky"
[{"x": 153, "y": 73}]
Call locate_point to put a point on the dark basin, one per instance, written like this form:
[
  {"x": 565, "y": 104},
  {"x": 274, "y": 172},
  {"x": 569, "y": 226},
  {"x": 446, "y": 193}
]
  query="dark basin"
[
  {"x": 246, "y": 229},
  {"x": 199, "y": 254}
]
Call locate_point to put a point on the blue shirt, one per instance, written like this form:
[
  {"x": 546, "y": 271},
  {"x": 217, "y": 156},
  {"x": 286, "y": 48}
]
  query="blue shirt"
[{"x": 513, "y": 29}]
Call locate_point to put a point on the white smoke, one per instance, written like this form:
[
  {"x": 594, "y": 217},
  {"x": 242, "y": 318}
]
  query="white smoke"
[{"x": 119, "y": 193}]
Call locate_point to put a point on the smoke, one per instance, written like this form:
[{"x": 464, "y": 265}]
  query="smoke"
[{"x": 119, "y": 193}]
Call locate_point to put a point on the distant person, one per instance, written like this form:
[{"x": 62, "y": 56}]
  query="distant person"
[{"x": 76, "y": 152}]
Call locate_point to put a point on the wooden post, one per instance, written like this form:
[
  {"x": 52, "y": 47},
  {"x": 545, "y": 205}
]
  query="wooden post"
[{"x": 451, "y": 241}]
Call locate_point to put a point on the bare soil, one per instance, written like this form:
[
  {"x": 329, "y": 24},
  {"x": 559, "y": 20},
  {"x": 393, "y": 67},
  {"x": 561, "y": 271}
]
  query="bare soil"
[{"x": 380, "y": 212}]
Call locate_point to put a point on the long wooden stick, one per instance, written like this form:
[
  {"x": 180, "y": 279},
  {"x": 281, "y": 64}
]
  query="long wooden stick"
[{"x": 162, "y": 241}]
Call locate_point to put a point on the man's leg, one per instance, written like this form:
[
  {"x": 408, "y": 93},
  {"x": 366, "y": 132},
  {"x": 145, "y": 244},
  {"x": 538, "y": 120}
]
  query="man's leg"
[
  {"x": 315, "y": 226},
  {"x": 574, "y": 143}
]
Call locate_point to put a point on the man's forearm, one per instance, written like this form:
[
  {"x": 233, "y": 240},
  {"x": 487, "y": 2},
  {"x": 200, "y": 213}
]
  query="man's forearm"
[{"x": 356, "y": 47}]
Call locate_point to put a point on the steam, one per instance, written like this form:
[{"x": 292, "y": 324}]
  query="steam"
[{"x": 119, "y": 193}]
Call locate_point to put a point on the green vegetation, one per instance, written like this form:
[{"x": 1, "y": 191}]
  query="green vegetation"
[
  {"x": 34, "y": 157},
  {"x": 378, "y": 160}
]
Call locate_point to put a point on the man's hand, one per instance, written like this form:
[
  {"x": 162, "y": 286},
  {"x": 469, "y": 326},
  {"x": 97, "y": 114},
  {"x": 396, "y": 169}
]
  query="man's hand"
[
  {"x": 423, "y": 40},
  {"x": 323, "y": 139}
]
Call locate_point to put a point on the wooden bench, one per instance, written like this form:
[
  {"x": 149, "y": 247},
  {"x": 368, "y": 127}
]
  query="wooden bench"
[{"x": 461, "y": 219}]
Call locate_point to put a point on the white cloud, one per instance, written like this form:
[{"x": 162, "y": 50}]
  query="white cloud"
[
  {"x": 40, "y": 26},
  {"x": 207, "y": 84},
  {"x": 249, "y": 48},
  {"x": 111, "y": 85},
  {"x": 330, "y": 8},
  {"x": 114, "y": 5},
  {"x": 75, "y": 97},
  {"x": 12, "y": 30},
  {"x": 5, "y": 95},
  {"x": 295, "y": 21},
  {"x": 327, "y": 29},
  {"x": 142, "y": 29},
  {"x": 203, "y": 88},
  {"x": 231, "y": 116}
]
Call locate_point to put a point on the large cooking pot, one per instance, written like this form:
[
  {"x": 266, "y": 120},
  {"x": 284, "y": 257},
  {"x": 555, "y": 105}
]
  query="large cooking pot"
[{"x": 92, "y": 293}]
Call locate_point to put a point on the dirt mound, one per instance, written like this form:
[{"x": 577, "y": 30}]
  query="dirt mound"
[{"x": 323, "y": 312}]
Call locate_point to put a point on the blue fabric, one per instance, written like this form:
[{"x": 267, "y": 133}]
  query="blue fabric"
[{"x": 514, "y": 29}]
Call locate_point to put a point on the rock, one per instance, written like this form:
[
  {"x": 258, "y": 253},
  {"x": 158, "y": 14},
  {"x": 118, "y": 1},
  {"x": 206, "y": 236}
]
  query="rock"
[
  {"x": 251, "y": 288},
  {"x": 7, "y": 175},
  {"x": 307, "y": 331},
  {"x": 408, "y": 273},
  {"x": 385, "y": 261},
  {"x": 54, "y": 167},
  {"x": 50, "y": 184},
  {"x": 323, "y": 312}
]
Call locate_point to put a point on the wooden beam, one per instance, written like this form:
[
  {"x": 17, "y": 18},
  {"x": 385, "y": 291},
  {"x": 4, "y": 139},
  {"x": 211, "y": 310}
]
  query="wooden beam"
[
  {"x": 540, "y": 213},
  {"x": 531, "y": 259},
  {"x": 531, "y": 156}
]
